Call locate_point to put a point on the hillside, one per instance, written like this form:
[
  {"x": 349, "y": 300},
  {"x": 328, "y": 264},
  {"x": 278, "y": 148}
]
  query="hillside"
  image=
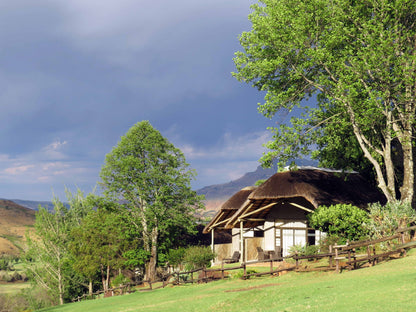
[
  {"x": 14, "y": 221},
  {"x": 34, "y": 204},
  {"x": 388, "y": 286}
]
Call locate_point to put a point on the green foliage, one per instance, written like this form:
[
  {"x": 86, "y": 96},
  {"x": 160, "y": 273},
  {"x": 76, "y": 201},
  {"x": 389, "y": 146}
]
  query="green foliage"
[
  {"x": 119, "y": 280},
  {"x": 240, "y": 273},
  {"x": 150, "y": 175},
  {"x": 343, "y": 221},
  {"x": 98, "y": 244},
  {"x": 136, "y": 257},
  {"x": 6, "y": 263},
  {"x": 198, "y": 257},
  {"x": 353, "y": 57},
  {"x": 48, "y": 259},
  {"x": 259, "y": 182},
  {"x": 305, "y": 250},
  {"x": 176, "y": 256},
  {"x": 385, "y": 220}
]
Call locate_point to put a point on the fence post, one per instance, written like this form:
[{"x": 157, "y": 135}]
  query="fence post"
[
  {"x": 245, "y": 270},
  {"x": 222, "y": 269},
  {"x": 369, "y": 255},
  {"x": 330, "y": 256},
  {"x": 297, "y": 260},
  {"x": 336, "y": 260}
]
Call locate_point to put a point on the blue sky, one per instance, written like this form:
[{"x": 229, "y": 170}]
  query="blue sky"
[{"x": 75, "y": 75}]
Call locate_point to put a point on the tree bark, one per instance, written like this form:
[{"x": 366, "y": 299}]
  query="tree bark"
[
  {"x": 153, "y": 255},
  {"x": 407, "y": 189}
]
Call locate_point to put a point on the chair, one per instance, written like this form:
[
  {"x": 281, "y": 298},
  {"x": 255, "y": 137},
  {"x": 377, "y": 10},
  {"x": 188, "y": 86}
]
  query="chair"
[
  {"x": 260, "y": 254},
  {"x": 234, "y": 258}
]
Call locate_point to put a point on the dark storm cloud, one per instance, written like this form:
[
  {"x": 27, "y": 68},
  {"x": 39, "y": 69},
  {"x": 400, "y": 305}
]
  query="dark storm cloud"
[{"x": 75, "y": 75}]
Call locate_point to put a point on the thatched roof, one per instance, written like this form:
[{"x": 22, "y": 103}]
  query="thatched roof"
[
  {"x": 306, "y": 189},
  {"x": 319, "y": 188},
  {"x": 229, "y": 208}
]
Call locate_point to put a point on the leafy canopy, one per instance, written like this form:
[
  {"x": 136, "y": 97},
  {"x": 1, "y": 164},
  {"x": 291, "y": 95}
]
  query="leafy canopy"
[
  {"x": 357, "y": 59},
  {"x": 150, "y": 176}
]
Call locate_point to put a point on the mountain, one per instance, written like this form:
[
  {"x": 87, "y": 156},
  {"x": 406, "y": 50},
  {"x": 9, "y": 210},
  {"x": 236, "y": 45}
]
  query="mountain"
[
  {"x": 217, "y": 194},
  {"x": 15, "y": 220},
  {"x": 33, "y": 204}
]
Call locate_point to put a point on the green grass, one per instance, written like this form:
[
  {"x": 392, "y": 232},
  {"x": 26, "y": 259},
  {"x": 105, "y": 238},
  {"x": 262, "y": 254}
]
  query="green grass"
[
  {"x": 388, "y": 286},
  {"x": 12, "y": 288}
]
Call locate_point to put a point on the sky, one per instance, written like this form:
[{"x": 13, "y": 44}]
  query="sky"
[{"x": 75, "y": 75}]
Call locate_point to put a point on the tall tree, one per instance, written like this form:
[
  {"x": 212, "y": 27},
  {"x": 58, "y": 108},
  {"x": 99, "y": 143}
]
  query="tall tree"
[
  {"x": 150, "y": 175},
  {"x": 359, "y": 58}
]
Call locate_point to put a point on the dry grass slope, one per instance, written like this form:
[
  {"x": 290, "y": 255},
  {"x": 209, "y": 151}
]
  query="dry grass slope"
[{"x": 15, "y": 220}]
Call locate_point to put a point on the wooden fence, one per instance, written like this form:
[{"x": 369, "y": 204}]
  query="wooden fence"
[{"x": 349, "y": 256}]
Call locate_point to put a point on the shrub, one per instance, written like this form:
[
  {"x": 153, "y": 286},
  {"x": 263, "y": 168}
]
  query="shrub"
[
  {"x": 119, "y": 280},
  {"x": 175, "y": 256},
  {"x": 342, "y": 220},
  {"x": 6, "y": 263},
  {"x": 385, "y": 220},
  {"x": 198, "y": 257},
  {"x": 307, "y": 250},
  {"x": 327, "y": 241},
  {"x": 240, "y": 273}
]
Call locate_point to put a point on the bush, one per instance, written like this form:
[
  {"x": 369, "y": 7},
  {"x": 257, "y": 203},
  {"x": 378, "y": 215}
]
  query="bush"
[
  {"x": 175, "y": 257},
  {"x": 307, "y": 250},
  {"x": 240, "y": 273},
  {"x": 342, "y": 220},
  {"x": 385, "y": 220},
  {"x": 119, "y": 280},
  {"x": 6, "y": 263},
  {"x": 327, "y": 241},
  {"x": 197, "y": 257}
]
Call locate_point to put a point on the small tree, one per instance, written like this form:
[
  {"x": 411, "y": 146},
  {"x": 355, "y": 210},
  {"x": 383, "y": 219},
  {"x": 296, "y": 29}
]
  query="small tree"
[
  {"x": 98, "y": 245},
  {"x": 342, "y": 220},
  {"x": 51, "y": 268}
]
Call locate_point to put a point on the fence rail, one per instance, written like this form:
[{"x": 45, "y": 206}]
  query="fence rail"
[{"x": 344, "y": 256}]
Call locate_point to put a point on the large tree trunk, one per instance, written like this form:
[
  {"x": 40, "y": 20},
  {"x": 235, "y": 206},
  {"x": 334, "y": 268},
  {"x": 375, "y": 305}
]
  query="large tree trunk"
[
  {"x": 104, "y": 277},
  {"x": 151, "y": 267},
  {"x": 407, "y": 189}
]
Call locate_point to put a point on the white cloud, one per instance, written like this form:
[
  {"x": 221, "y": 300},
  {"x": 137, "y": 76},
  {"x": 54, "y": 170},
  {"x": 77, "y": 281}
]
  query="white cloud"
[
  {"x": 49, "y": 166},
  {"x": 18, "y": 169},
  {"x": 54, "y": 150}
]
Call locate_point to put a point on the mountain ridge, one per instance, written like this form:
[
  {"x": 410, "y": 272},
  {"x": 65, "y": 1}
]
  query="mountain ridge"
[{"x": 217, "y": 194}]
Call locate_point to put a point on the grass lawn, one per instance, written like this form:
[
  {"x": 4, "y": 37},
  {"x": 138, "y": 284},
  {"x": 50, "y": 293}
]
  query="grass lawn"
[
  {"x": 12, "y": 288},
  {"x": 390, "y": 286}
]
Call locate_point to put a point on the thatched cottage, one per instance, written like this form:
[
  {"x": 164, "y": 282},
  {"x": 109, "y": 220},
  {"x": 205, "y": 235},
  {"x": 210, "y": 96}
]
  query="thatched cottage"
[{"x": 272, "y": 217}]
